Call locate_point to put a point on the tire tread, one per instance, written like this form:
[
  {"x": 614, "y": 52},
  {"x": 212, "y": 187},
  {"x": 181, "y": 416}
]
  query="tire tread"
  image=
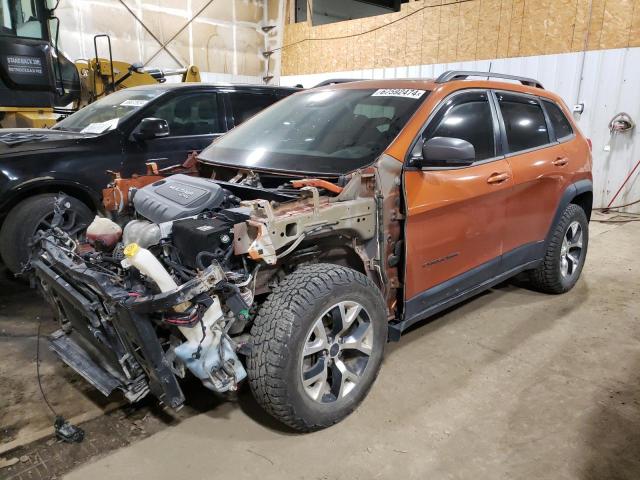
[{"x": 276, "y": 321}]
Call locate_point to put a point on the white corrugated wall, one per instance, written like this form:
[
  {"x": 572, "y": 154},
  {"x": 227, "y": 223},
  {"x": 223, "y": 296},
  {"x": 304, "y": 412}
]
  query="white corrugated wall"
[{"x": 610, "y": 84}]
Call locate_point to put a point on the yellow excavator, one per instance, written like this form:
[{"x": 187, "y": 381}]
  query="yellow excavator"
[{"x": 39, "y": 85}]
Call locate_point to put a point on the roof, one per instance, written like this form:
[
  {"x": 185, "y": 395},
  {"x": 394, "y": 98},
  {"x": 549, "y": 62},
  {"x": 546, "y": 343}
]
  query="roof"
[
  {"x": 198, "y": 85},
  {"x": 448, "y": 86}
]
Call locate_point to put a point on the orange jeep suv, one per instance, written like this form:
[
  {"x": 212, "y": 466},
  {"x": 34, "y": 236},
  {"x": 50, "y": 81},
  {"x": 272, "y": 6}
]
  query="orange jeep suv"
[{"x": 311, "y": 234}]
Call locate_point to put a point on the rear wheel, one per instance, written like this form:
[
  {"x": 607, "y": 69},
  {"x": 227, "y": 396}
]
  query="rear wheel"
[
  {"x": 566, "y": 253},
  {"x": 32, "y": 214},
  {"x": 317, "y": 347}
]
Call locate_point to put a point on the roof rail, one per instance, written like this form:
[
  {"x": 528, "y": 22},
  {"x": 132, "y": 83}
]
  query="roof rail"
[
  {"x": 334, "y": 81},
  {"x": 452, "y": 75}
]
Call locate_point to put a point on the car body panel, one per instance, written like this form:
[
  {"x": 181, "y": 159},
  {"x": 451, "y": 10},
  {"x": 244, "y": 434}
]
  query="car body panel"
[{"x": 455, "y": 222}]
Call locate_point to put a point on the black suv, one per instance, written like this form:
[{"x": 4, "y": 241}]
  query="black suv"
[{"x": 121, "y": 132}]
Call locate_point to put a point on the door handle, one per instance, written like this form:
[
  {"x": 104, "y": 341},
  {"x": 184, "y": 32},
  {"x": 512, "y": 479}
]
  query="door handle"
[
  {"x": 560, "y": 161},
  {"x": 498, "y": 178}
]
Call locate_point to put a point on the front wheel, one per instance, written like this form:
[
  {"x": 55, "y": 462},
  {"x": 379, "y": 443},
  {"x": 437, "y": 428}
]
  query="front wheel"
[
  {"x": 317, "y": 346},
  {"x": 32, "y": 214}
]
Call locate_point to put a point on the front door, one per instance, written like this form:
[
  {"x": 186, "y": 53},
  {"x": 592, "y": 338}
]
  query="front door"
[
  {"x": 194, "y": 121},
  {"x": 455, "y": 215}
]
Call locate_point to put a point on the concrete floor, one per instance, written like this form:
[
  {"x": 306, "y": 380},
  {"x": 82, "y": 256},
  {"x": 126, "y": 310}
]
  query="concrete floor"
[{"x": 511, "y": 385}]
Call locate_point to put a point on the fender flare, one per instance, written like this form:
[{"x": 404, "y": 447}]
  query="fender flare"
[
  {"x": 31, "y": 187},
  {"x": 571, "y": 192}
]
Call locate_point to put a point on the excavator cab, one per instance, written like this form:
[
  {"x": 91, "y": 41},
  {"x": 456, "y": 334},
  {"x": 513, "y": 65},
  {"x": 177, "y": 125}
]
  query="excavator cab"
[{"x": 37, "y": 82}]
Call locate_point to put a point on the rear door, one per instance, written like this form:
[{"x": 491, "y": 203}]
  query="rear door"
[
  {"x": 194, "y": 119},
  {"x": 456, "y": 215},
  {"x": 539, "y": 164}
]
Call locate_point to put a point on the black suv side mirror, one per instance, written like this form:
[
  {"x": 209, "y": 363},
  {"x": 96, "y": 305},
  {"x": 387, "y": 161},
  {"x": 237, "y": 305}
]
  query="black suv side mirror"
[
  {"x": 152, "y": 128},
  {"x": 445, "y": 152}
]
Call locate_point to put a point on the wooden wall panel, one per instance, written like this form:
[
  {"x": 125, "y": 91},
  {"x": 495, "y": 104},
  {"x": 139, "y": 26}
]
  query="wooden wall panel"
[
  {"x": 595, "y": 24},
  {"x": 634, "y": 34},
  {"x": 504, "y": 28},
  {"x": 488, "y": 29},
  {"x": 413, "y": 46},
  {"x": 581, "y": 25},
  {"x": 396, "y": 36},
  {"x": 534, "y": 27},
  {"x": 560, "y": 21},
  {"x": 616, "y": 23},
  {"x": 515, "y": 29},
  {"x": 430, "y": 34},
  {"x": 441, "y": 31},
  {"x": 468, "y": 34}
]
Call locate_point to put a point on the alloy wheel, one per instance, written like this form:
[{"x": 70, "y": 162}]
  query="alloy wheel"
[
  {"x": 571, "y": 250},
  {"x": 336, "y": 352}
]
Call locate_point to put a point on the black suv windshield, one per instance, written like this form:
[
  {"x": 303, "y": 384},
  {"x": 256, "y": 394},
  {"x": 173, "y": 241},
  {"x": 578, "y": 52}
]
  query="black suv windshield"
[
  {"x": 104, "y": 114},
  {"x": 323, "y": 131}
]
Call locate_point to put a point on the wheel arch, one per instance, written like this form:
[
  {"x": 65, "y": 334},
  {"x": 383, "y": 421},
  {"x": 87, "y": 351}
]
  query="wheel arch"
[
  {"x": 579, "y": 193},
  {"x": 76, "y": 190},
  {"x": 585, "y": 201},
  {"x": 336, "y": 252}
]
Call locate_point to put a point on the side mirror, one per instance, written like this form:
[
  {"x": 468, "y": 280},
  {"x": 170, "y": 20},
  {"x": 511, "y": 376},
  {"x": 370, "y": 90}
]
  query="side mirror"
[
  {"x": 152, "y": 128},
  {"x": 446, "y": 152}
]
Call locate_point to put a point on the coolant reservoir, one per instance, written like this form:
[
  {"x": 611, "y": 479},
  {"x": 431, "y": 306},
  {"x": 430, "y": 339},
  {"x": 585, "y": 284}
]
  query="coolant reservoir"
[
  {"x": 103, "y": 233},
  {"x": 148, "y": 264}
]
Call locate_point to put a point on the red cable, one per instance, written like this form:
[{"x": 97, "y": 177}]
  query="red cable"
[{"x": 623, "y": 184}]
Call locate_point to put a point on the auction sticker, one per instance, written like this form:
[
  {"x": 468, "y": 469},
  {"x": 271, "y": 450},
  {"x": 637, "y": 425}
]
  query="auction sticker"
[
  {"x": 100, "y": 127},
  {"x": 398, "y": 92},
  {"x": 134, "y": 103}
]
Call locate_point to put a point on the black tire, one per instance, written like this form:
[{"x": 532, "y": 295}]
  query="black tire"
[
  {"x": 548, "y": 277},
  {"x": 280, "y": 333},
  {"x": 25, "y": 219}
]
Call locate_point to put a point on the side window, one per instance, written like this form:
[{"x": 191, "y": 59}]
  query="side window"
[
  {"x": 195, "y": 114},
  {"x": 561, "y": 126},
  {"x": 468, "y": 117},
  {"x": 245, "y": 105},
  {"x": 524, "y": 121}
]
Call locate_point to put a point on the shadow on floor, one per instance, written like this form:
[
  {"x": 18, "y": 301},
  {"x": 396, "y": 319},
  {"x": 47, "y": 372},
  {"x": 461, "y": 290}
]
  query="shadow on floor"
[{"x": 612, "y": 433}]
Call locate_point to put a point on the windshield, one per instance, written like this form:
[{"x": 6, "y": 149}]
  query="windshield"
[
  {"x": 104, "y": 114},
  {"x": 321, "y": 132}
]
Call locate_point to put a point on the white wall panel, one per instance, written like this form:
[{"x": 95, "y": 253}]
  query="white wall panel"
[
  {"x": 226, "y": 37},
  {"x": 606, "y": 81}
]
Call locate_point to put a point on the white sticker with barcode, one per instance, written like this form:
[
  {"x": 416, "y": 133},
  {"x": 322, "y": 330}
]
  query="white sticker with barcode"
[
  {"x": 101, "y": 127},
  {"x": 398, "y": 92},
  {"x": 134, "y": 103}
]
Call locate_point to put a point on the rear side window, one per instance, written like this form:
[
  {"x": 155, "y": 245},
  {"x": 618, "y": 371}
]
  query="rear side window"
[
  {"x": 245, "y": 105},
  {"x": 468, "y": 117},
  {"x": 561, "y": 126},
  {"x": 524, "y": 121}
]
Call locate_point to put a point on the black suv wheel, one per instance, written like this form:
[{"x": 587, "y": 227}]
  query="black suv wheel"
[{"x": 27, "y": 217}]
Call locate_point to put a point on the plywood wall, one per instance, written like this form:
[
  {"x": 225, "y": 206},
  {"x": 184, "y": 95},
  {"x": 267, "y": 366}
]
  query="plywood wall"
[{"x": 441, "y": 31}]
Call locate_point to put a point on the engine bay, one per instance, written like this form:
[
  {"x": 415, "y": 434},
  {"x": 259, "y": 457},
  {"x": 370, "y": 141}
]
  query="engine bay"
[{"x": 171, "y": 288}]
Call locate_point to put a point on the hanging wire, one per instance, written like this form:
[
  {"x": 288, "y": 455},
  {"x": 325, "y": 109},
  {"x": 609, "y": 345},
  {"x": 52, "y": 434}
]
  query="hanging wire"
[{"x": 341, "y": 37}]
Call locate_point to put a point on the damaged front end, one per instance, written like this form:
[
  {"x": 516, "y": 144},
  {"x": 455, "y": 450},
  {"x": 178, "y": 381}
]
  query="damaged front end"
[
  {"x": 120, "y": 336},
  {"x": 174, "y": 289}
]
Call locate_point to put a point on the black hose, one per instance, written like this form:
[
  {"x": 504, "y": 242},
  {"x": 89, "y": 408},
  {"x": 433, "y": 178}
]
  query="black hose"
[{"x": 201, "y": 256}]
